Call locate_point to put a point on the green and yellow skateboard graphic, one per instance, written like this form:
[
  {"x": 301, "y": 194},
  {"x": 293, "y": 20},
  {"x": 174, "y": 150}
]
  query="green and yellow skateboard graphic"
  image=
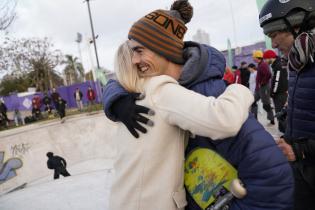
[{"x": 208, "y": 176}]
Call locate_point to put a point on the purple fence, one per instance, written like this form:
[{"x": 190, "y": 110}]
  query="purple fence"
[
  {"x": 245, "y": 53},
  {"x": 66, "y": 92}
]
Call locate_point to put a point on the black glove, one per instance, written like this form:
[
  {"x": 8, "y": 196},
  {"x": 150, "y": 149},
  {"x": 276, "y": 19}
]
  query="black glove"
[{"x": 128, "y": 112}]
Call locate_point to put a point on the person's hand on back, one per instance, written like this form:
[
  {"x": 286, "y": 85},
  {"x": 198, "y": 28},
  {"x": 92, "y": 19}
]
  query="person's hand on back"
[{"x": 129, "y": 113}]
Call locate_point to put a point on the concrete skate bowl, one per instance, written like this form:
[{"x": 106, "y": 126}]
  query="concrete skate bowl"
[{"x": 80, "y": 139}]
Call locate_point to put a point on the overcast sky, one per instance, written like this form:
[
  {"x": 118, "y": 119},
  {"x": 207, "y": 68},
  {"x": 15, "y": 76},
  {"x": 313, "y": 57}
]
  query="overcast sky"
[{"x": 60, "y": 20}]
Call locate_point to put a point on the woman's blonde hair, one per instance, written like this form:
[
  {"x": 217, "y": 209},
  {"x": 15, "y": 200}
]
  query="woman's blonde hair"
[{"x": 126, "y": 72}]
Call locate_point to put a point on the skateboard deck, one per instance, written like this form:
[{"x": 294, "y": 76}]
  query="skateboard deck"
[{"x": 208, "y": 176}]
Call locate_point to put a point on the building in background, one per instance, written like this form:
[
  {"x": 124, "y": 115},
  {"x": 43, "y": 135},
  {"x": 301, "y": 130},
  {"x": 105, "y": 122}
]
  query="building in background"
[{"x": 201, "y": 37}]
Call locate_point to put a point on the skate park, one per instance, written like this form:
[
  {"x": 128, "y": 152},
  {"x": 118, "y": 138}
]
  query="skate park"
[
  {"x": 83, "y": 140},
  {"x": 51, "y": 62}
]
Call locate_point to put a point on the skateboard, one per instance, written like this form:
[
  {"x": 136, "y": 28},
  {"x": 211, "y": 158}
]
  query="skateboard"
[{"x": 211, "y": 180}]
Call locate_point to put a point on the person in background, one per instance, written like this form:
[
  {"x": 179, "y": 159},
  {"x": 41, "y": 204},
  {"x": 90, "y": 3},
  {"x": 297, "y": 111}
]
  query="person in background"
[
  {"x": 3, "y": 112},
  {"x": 78, "y": 98},
  {"x": 36, "y": 101},
  {"x": 291, "y": 27},
  {"x": 252, "y": 77},
  {"x": 244, "y": 74},
  {"x": 58, "y": 164},
  {"x": 36, "y": 107},
  {"x": 237, "y": 75},
  {"x": 91, "y": 98},
  {"x": 54, "y": 96},
  {"x": 47, "y": 103},
  {"x": 61, "y": 108},
  {"x": 279, "y": 81},
  {"x": 228, "y": 76},
  {"x": 263, "y": 84},
  {"x": 252, "y": 86},
  {"x": 18, "y": 119}
]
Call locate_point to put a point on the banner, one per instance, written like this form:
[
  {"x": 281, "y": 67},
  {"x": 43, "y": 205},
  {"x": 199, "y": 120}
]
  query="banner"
[
  {"x": 230, "y": 55},
  {"x": 100, "y": 76}
]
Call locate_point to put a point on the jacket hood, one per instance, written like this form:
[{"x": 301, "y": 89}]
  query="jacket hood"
[{"x": 202, "y": 62}]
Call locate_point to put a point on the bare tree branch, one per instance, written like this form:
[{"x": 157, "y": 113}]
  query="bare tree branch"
[{"x": 7, "y": 13}]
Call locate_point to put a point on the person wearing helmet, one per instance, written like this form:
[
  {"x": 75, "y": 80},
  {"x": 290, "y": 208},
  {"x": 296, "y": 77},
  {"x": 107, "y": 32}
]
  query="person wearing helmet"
[
  {"x": 291, "y": 26},
  {"x": 263, "y": 84}
]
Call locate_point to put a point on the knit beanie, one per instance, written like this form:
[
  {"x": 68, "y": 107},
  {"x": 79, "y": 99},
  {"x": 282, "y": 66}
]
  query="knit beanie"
[
  {"x": 162, "y": 31},
  {"x": 258, "y": 54},
  {"x": 269, "y": 54}
]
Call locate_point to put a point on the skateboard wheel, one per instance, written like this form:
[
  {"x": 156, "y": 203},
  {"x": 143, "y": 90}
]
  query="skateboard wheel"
[{"x": 238, "y": 189}]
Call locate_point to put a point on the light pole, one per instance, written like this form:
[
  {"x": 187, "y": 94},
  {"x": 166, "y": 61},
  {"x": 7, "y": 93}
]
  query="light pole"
[
  {"x": 93, "y": 35},
  {"x": 79, "y": 40}
]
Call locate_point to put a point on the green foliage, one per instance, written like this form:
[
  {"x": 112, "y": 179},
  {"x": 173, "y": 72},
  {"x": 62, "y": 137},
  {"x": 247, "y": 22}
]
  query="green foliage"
[
  {"x": 73, "y": 70},
  {"x": 34, "y": 57},
  {"x": 9, "y": 86}
]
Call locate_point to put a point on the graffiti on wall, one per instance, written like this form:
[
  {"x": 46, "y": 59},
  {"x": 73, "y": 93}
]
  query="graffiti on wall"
[
  {"x": 20, "y": 149},
  {"x": 8, "y": 168}
]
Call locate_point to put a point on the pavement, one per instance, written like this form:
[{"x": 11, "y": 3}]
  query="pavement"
[
  {"x": 85, "y": 142},
  {"x": 272, "y": 129},
  {"x": 80, "y": 191}
]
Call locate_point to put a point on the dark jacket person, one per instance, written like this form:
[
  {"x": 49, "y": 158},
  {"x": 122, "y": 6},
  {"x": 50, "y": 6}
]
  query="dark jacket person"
[{"x": 58, "y": 164}]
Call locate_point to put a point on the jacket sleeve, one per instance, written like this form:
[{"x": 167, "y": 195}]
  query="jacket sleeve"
[
  {"x": 277, "y": 71},
  {"x": 113, "y": 91},
  {"x": 211, "y": 117},
  {"x": 262, "y": 168}
]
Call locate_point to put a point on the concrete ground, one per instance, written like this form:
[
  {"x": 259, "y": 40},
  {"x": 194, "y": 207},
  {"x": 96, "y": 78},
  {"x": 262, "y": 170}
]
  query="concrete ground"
[
  {"x": 272, "y": 129},
  {"x": 83, "y": 140},
  {"x": 80, "y": 191}
]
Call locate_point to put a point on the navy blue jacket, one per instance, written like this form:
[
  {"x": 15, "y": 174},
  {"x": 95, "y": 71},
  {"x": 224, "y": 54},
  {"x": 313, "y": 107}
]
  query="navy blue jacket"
[
  {"x": 261, "y": 165},
  {"x": 301, "y": 109}
]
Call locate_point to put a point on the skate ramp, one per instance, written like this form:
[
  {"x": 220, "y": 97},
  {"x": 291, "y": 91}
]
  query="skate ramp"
[
  {"x": 78, "y": 192},
  {"x": 80, "y": 139}
]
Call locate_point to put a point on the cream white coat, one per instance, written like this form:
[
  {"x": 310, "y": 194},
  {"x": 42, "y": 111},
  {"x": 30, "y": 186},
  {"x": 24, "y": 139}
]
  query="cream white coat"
[{"x": 149, "y": 171}]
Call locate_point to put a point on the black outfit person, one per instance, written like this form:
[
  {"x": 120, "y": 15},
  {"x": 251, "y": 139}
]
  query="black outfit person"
[
  {"x": 58, "y": 164},
  {"x": 3, "y": 111},
  {"x": 61, "y": 107}
]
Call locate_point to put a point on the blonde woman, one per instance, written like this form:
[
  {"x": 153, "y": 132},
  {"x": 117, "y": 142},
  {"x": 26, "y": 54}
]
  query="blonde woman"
[{"x": 149, "y": 170}]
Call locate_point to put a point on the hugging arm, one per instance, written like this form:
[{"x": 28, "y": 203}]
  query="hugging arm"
[
  {"x": 216, "y": 118},
  {"x": 120, "y": 105}
]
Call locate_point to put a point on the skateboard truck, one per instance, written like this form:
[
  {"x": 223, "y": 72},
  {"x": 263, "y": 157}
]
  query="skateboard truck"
[{"x": 237, "y": 191}]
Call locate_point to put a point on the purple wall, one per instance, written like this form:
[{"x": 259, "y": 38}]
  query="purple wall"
[
  {"x": 66, "y": 92},
  {"x": 245, "y": 53}
]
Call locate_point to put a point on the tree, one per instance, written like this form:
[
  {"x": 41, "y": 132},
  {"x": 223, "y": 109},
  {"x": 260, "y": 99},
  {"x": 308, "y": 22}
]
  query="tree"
[
  {"x": 12, "y": 85},
  {"x": 7, "y": 13},
  {"x": 33, "y": 57},
  {"x": 74, "y": 70}
]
